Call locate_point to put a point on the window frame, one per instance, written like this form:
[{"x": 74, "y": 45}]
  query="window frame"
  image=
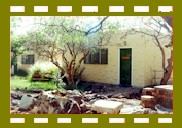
[
  {"x": 28, "y": 59},
  {"x": 88, "y": 59}
]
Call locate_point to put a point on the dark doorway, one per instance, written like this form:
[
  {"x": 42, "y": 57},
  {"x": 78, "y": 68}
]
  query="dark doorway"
[{"x": 125, "y": 66}]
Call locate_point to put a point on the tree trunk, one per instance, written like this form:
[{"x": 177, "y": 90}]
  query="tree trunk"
[{"x": 168, "y": 71}]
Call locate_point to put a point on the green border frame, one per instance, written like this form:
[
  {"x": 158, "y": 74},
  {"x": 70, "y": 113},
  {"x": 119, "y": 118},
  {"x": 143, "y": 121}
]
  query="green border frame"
[{"x": 103, "y": 10}]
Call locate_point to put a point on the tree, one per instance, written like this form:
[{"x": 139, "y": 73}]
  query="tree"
[
  {"x": 17, "y": 42},
  {"x": 17, "y": 48},
  {"x": 69, "y": 38},
  {"x": 161, "y": 28},
  {"x": 169, "y": 68}
]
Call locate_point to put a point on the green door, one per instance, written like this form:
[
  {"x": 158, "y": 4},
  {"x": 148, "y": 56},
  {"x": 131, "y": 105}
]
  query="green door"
[{"x": 125, "y": 66}]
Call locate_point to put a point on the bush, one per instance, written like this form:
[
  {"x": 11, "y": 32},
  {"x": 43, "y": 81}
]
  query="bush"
[{"x": 46, "y": 69}]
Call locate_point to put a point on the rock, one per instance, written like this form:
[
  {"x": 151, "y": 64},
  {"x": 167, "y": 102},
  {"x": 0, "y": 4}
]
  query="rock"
[
  {"x": 62, "y": 101},
  {"x": 58, "y": 110},
  {"x": 111, "y": 107},
  {"x": 74, "y": 109},
  {"x": 132, "y": 110},
  {"x": 51, "y": 110},
  {"x": 109, "y": 96},
  {"x": 43, "y": 108},
  {"x": 164, "y": 95},
  {"x": 150, "y": 111},
  {"x": 83, "y": 108},
  {"x": 77, "y": 98},
  {"x": 88, "y": 97},
  {"x": 36, "y": 96},
  {"x": 21, "y": 89},
  {"x": 61, "y": 92},
  {"x": 93, "y": 101},
  {"x": 88, "y": 112},
  {"x": 88, "y": 92},
  {"x": 35, "y": 110},
  {"x": 162, "y": 110},
  {"x": 94, "y": 112},
  {"x": 26, "y": 102},
  {"x": 14, "y": 111},
  {"x": 16, "y": 96},
  {"x": 53, "y": 102},
  {"x": 68, "y": 106},
  {"x": 43, "y": 97},
  {"x": 12, "y": 108},
  {"x": 48, "y": 94},
  {"x": 88, "y": 106},
  {"x": 117, "y": 96},
  {"x": 34, "y": 90},
  {"x": 101, "y": 96},
  {"x": 148, "y": 101},
  {"x": 15, "y": 102},
  {"x": 74, "y": 92}
]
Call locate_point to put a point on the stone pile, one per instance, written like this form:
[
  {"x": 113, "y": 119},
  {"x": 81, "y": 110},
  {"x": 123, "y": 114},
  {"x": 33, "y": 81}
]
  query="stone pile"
[
  {"x": 159, "y": 97},
  {"x": 164, "y": 95},
  {"x": 51, "y": 102},
  {"x": 68, "y": 102},
  {"x": 109, "y": 100}
]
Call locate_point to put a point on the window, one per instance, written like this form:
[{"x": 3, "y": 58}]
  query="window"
[
  {"x": 27, "y": 59},
  {"x": 100, "y": 57}
]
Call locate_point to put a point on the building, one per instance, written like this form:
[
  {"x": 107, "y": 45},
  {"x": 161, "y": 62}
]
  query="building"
[{"x": 134, "y": 60}]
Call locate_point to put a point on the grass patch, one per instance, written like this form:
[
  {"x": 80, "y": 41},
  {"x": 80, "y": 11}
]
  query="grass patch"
[{"x": 24, "y": 82}]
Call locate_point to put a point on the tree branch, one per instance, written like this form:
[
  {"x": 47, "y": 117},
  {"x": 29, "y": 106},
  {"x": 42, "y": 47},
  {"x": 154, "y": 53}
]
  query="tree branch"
[{"x": 96, "y": 28}]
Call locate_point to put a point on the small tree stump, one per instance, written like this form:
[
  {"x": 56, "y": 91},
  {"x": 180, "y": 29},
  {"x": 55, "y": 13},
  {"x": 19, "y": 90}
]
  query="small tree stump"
[
  {"x": 148, "y": 101},
  {"x": 148, "y": 91}
]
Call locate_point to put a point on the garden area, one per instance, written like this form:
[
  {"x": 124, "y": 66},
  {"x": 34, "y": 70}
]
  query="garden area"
[
  {"x": 34, "y": 96},
  {"x": 46, "y": 98},
  {"x": 49, "y": 56}
]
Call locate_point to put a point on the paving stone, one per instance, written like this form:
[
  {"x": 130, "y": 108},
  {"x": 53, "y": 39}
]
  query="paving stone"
[{"x": 110, "y": 107}]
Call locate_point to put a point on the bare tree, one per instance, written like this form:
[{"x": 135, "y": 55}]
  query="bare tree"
[{"x": 161, "y": 28}]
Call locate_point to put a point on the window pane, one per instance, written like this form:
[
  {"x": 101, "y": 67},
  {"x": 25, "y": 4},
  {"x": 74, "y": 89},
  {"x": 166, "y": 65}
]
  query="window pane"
[
  {"x": 27, "y": 59},
  {"x": 23, "y": 59},
  {"x": 31, "y": 59},
  {"x": 104, "y": 56},
  {"x": 95, "y": 58}
]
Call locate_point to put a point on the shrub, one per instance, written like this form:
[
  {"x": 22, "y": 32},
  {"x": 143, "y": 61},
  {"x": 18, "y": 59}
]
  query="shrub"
[{"x": 46, "y": 69}]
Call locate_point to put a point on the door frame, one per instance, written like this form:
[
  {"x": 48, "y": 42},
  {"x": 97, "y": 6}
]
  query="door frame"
[{"x": 131, "y": 64}]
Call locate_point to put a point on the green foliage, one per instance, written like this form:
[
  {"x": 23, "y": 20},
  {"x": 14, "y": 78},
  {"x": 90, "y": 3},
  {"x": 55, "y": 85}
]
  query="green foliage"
[
  {"x": 62, "y": 30},
  {"x": 17, "y": 47},
  {"x": 58, "y": 82},
  {"x": 72, "y": 38},
  {"x": 46, "y": 69},
  {"x": 23, "y": 82}
]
